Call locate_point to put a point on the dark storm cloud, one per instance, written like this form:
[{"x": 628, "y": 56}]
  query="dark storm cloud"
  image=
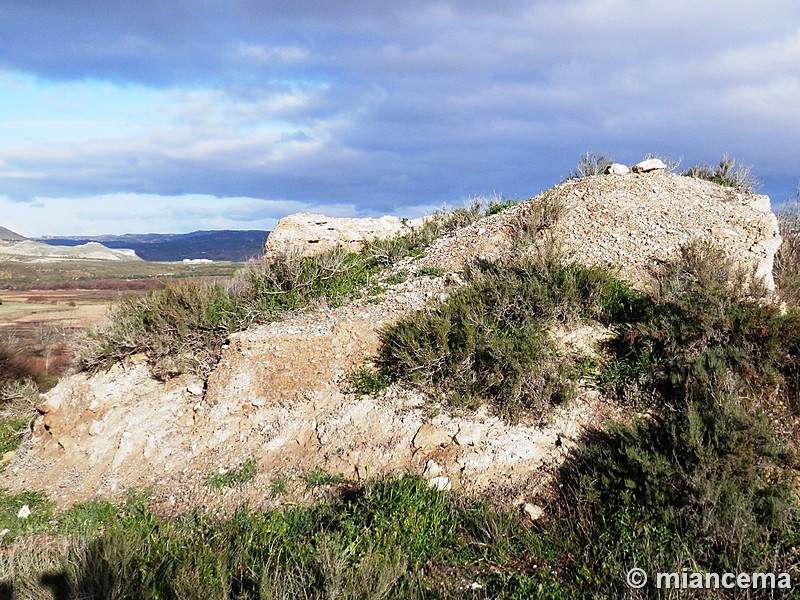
[{"x": 394, "y": 105}]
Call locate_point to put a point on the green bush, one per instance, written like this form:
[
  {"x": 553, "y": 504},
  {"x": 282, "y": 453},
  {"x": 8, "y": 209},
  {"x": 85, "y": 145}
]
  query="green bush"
[
  {"x": 704, "y": 329},
  {"x": 498, "y": 204},
  {"x": 181, "y": 328},
  {"x": 367, "y": 381},
  {"x": 702, "y": 480},
  {"x": 490, "y": 342},
  {"x": 704, "y": 485},
  {"x": 787, "y": 258}
]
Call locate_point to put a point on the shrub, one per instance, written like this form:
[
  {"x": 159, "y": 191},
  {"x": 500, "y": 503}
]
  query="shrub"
[
  {"x": 702, "y": 479},
  {"x": 181, "y": 328},
  {"x": 367, "y": 381},
  {"x": 787, "y": 258},
  {"x": 537, "y": 216},
  {"x": 702, "y": 331},
  {"x": 319, "y": 477},
  {"x": 729, "y": 173},
  {"x": 498, "y": 204},
  {"x": 489, "y": 341},
  {"x": 704, "y": 485},
  {"x": 590, "y": 164}
]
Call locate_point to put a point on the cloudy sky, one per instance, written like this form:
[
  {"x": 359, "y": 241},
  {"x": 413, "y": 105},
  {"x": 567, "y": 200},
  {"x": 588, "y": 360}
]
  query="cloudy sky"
[{"x": 176, "y": 115}]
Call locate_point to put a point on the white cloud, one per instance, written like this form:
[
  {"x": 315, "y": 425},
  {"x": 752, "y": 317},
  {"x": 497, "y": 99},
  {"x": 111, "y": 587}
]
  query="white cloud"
[
  {"x": 762, "y": 60},
  {"x": 264, "y": 54}
]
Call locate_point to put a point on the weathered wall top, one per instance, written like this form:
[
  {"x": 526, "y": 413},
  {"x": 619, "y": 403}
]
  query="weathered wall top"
[{"x": 312, "y": 234}]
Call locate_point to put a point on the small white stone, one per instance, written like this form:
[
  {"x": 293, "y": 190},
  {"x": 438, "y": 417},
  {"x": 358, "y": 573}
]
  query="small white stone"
[
  {"x": 24, "y": 512},
  {"x": 441, "y": 484},
  {"x": 469, "y": 436},
  {"x": 533, "y": 511},
  {"x": 432, "y": 469}
]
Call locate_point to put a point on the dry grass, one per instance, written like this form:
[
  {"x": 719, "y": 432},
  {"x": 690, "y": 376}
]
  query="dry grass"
[{"x": 787, "y": 259}]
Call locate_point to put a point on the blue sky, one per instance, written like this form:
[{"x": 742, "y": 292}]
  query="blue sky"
[{"x": 174, "y": 116}]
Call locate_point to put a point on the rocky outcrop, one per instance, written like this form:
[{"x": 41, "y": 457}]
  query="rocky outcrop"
[
  {"x": 278, "y": 394},
  {"x": 632, "y": 223},
  {"x": 312, "y": 234}
]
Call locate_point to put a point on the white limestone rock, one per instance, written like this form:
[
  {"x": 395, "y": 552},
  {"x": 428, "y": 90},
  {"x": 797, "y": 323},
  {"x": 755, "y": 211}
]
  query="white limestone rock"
[
  {"x": 649, "y": 165},
  {"x": 617, "y": 169}
]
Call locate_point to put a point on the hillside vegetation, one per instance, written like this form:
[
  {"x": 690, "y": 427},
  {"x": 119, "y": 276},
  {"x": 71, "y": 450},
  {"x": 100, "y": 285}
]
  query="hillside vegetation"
[{"x": 701, "y": 475}]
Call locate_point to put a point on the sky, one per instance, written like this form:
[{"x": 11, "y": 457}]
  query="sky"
[{"x": 172, "y": 116}]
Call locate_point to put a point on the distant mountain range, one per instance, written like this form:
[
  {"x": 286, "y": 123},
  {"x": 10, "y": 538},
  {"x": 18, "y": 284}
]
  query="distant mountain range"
[{"x": 223, "y": 245}]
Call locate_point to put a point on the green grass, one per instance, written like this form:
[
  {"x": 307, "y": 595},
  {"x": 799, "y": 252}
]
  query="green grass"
[
  {"x": 431, "y": 272},
  {"x": 366, "y": 381},
  {"x": 400, "y": 277},
  {"x": 319, "y": 477},
  {"x": 10, "y": 505},
  {"x": 391, "y": 538},
  {"x": 87, "y": 518},
  {"x": 238, "y": 476},
  {"x": 279, "y": 486},
  {"x": 11, "y": 432}
]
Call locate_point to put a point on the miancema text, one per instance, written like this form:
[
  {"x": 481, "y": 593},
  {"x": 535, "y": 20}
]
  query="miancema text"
[{"x": 711, "y": 581}]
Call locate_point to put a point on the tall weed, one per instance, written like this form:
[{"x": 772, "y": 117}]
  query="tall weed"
[{"x": 728, "y": 173}]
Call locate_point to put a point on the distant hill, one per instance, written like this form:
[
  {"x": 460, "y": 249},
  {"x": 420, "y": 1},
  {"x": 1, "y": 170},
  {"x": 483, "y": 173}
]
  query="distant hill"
[
  {"x": 224, "y": 245},
  {"x": 7, "y": 235}
]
